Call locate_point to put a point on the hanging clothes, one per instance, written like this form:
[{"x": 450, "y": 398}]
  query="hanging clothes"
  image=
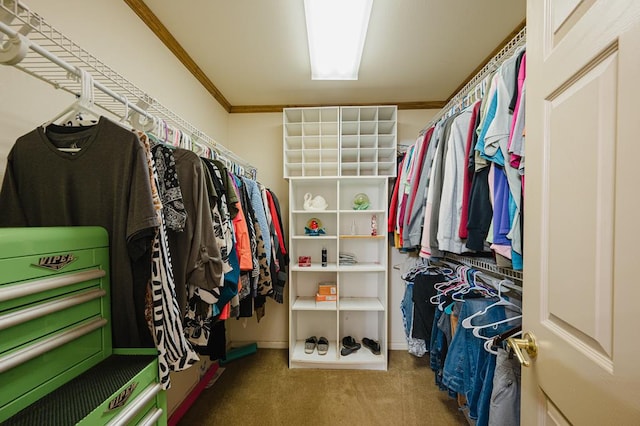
[
  {"x": 393, "y": 205},
  {"x": 468, "y": 170},
  {"x": 221, "y": 214},
  {"x": 435, "y": 191},
  {"x": 280, "y": 261},
  {"x": 419, "y": 190},
  {"x": 175, "y": 353},
  {"x": 442, "y": 200},
  {"x": 248, "y": 292},
  {"x": 197, "y": 262},
  {"x": 168, "y": 186},
  {"x": 450, "y": 213},
  {"x": 241, "y": 230}
]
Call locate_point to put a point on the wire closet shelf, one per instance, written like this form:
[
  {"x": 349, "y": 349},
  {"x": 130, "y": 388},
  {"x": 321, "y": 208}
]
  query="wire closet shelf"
[
  {"x": 50, "y": 56},
  {"x": 464, "y": 97}
]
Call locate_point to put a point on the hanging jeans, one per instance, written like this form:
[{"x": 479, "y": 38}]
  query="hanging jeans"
[
  {"x": 440, "y": 340},
  {"x": 466, "y": 357},
  {"x": 483, "y": 398},
  {"x": 505, "y": 397}
]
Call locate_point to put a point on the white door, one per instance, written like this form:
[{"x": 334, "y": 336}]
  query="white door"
[{"x": 582, "y": 212}]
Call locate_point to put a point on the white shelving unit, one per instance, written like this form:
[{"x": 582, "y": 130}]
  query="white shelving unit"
[
  {"x": 340, "y": 141},
  {"x": 361, "y": 307}
]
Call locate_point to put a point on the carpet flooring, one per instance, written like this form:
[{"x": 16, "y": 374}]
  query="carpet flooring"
[{"x": 260, "y": 389}]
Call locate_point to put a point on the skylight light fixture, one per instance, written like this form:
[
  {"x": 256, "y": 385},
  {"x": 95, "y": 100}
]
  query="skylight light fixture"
[{"x": 336, "y": 30}]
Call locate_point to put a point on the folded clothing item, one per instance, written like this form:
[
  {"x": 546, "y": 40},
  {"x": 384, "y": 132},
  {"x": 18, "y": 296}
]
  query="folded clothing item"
[{"x": 347, "y": 259}]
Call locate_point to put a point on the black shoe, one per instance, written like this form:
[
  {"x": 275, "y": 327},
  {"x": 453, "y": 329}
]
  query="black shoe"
[
  {"x": 372, "y": 345},
  {"x": 323, "y": 346},
  {"x": 349, "y": 342},
  {"x": 349, "y": 345},
  {"x": 346, "y": 351},
  {"x": 310, "y": 344}
]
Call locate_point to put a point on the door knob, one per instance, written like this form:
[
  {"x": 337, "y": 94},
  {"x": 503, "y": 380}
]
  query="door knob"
[{"x": 528, "y": 343}]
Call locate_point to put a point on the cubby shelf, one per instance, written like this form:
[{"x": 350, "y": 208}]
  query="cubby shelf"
[{"x": 340, "y": 141}]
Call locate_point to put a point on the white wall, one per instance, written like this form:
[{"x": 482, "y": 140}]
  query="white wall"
[
  {"x": 114, "y": 34},
  {"x": 258, "y": 139}
]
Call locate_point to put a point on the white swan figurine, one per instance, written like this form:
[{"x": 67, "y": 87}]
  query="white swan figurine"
[{"x": 314, "y": 203}]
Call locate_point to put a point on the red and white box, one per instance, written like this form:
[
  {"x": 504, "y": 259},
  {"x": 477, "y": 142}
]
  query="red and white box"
[
  {"x": 304, "y": 261},
  {"x": 326, "y": 297}
]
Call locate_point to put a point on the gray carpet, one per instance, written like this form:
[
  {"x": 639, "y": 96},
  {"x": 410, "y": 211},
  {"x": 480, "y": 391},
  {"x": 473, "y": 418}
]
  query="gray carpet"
[{"x": 260, "y": 389}]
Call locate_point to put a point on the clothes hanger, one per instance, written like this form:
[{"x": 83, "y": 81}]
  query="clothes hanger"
[
  {"x": 446, "y": 290},
  {"x": 185, "y": 141},
  {"x": 125, "y": 117},
  {"x": 477, "y": 328},
  {"x": 145, "y": 123},
  {"x": 470, "y": 275},
  {"x": 163, "y": 132},
  {"x": 423, "y": 265},
  {"x": 82, "y": 107},
  {"x": 173, "y": 135},
  {"x": 467, "y": 322}
]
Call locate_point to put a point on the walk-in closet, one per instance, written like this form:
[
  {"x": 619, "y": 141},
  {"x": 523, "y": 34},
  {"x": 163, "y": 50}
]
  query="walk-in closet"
[{"x": 205, "y": 221}]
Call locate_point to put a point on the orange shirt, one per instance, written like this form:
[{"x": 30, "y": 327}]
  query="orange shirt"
[{"x": 243, "y": 244}]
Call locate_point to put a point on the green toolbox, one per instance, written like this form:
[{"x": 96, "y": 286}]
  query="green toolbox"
[{"x": 57, "y": 364}]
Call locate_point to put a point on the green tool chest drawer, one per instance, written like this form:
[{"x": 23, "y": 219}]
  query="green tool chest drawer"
[{"x": 57, "y": 364}]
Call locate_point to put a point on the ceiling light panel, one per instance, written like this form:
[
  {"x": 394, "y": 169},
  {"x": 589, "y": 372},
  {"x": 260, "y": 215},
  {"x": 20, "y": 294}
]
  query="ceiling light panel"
[{"x": 336, "y": 32}]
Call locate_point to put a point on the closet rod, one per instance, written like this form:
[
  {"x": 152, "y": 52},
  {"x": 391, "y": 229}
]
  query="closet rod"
[
  {"x": 58, "y": 60},
  {"x": 459, "y": 98}
]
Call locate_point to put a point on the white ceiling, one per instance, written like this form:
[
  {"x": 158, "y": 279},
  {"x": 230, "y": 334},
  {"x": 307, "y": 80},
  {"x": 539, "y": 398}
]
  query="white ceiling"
[{"x": 255, "y": 51}]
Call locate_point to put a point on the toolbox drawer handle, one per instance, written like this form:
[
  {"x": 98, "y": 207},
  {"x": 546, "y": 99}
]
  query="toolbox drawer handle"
[
  {"x": 151, "y": 418},
  {"x": 29, "y": 314},
  {"x": 12, "y": 360},
  {"x": 133, "y": 408},
  {"x": 27, "y": 288}
]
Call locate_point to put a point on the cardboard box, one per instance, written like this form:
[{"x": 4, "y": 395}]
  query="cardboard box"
[
  {"x": 326, "y": 298},
  {"x": 304, "y": 261},
  {"x": 327, "y": 288}
]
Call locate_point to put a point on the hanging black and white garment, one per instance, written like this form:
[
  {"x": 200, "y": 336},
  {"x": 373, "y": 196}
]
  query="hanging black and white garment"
[{"x": 175, "y": 353}]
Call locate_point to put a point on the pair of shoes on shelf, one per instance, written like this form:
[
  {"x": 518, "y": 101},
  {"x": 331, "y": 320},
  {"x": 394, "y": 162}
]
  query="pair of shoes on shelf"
[
  {"x": 372, "y": 345},
  {"x": 312, "y": 342},
  {"x": 349, "y": 346}
]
